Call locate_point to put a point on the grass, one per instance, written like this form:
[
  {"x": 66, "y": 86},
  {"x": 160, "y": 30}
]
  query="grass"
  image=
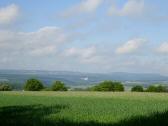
[{"x": 83, "y": 109}]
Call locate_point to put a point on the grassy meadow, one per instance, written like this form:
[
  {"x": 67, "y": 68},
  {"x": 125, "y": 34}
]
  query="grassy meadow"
[{"x": 83, "y": 108}]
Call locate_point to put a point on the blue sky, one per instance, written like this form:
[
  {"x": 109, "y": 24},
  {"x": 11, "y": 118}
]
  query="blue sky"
[{"x": 84, "y": 35}]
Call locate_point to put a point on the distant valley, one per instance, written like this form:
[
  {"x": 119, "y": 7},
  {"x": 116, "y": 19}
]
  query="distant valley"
[{"x": 79, "y": 79}]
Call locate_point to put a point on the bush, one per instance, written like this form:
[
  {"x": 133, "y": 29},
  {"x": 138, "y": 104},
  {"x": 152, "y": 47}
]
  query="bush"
[
  {"x": 59, "y": 86},
  {"x": 159, "y": 88},
  {"x": 118, "y": 87},
  {"x": 109, "y": 86},
  {"x": 151, "y": 89},
  {"x": 137, "y": 88},
  {"x": 104, "y": 86},
  {"x": 33, "y": 85},
  {"x": 4, "y": 86}
]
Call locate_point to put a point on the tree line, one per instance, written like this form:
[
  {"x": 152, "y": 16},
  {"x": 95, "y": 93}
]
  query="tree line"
[
  {"x": 108, "y": 85},
  {"x": 151, "y": 88}
]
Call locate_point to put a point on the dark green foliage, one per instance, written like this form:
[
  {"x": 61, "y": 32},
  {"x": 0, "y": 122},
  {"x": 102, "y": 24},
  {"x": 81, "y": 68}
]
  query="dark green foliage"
[
  {"x": 159, "y": 88},
  {"x": 33, "y": 85},
  {"x": 108, "y": 86},
  {"x": 5, "y": 86},
  {"x": 151, "y": 89},
  {"x": 137, "y": 88},
  {"x": 104, "y": 86},
  {"x": 118, "y": 87},
  {"x": 59, "y": 86}
]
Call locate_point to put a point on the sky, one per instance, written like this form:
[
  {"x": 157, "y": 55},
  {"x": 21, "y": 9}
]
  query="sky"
[{"x": 97, "y": 36}]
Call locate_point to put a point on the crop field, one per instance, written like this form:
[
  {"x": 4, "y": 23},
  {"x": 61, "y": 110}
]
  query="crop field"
[{"x": 83, "y": 109}]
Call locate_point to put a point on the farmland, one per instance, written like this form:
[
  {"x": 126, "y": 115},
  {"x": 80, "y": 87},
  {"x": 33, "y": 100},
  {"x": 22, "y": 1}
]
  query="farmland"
[{"x": 83, "y": 108}]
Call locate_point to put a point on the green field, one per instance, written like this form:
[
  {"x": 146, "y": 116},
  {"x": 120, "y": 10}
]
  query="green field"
[{"x": 83, "y": 109}]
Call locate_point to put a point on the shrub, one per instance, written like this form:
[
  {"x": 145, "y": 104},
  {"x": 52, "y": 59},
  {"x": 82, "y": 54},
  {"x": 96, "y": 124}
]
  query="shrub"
[
  {"x": 151, "y": 88},
  {"x": 109, "y": 86},
  {"x": 137, "y": 88},
  {"x": 33, "y": 85},
  {"x": 4, "y": 86},
  {"x": 118, "y": 87},
  {"x": 59, "y": 86},
  {"x": 159, "y": 88},
  {"x": 104, "y": 86}
]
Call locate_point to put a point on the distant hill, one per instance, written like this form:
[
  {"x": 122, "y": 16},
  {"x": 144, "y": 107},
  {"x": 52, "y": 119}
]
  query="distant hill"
[{"x": 78, "y": 78}]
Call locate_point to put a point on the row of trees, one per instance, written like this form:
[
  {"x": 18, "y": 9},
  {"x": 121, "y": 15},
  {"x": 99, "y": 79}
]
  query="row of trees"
[
  {"x": 152, "y": 88},
  {"x": 37, "y": 85},
  {"x": 118, "y": 86}
]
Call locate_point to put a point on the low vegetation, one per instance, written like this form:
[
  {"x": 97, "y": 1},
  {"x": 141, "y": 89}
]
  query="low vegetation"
[
  {"x": 83, "y": 109},
  {"x": 33, "y": 85},
  {"x": 108, "y": 86},
  {"x": 5, "y": 86},
  {"x": 58, "y": 86},
  {"x": 158, "y": 88},
  {"x": 137, "y": 88}
]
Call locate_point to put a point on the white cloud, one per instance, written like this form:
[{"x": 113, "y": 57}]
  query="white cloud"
[
  {"x": 9, "y": 14},
  {"x": 45, "y": 41},
  {"x": 163, "y": 48},
  {"x": 44, "y": 36},
  {"x": 131, "y": 46},
  {"x": 130, "y": 8},
  {"x": 84, "y": 53},
  {"x": 86, "y": 6},
  {"x": 43, "y": 51}
]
